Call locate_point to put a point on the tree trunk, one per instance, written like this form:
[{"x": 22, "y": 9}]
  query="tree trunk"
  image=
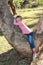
[{"x": 14, "y": 35}]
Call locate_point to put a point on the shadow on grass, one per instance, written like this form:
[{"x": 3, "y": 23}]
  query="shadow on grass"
[
  {"x": 24, "y": 10},
  {"x": 1, "y": 34},
  {"x": 38, "y": 14},
  {"x": 31, "y": 17},
  {"x": 12, "y": 57}
]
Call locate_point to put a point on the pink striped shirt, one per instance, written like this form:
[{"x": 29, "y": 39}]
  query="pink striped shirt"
[{"x": 23, "y": 27}]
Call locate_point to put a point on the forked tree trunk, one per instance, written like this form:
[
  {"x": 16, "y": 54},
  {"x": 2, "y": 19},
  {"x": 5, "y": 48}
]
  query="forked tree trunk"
[{"x": 14, "y": 34}]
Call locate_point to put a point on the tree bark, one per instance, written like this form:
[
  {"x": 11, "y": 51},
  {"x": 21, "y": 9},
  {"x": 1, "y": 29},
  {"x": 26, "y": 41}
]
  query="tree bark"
[{"x": 14, "y": 35}]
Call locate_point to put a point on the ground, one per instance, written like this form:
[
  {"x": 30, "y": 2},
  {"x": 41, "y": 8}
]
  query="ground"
[{"x": 30, "y": 18}]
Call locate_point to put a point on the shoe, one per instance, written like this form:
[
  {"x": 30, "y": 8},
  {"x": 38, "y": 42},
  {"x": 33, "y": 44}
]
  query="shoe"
[{"x": 34, "y": 55}]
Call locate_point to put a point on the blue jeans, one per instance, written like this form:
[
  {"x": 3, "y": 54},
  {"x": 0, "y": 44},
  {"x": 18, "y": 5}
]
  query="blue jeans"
[{"x": 30, "y": 40}]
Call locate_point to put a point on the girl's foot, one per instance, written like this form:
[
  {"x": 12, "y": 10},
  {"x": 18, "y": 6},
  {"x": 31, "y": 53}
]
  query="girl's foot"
[{"x": 34, "y": 55}]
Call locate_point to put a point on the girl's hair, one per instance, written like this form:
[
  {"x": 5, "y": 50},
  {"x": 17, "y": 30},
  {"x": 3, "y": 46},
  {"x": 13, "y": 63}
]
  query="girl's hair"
[{"x": 18, "y": 16}]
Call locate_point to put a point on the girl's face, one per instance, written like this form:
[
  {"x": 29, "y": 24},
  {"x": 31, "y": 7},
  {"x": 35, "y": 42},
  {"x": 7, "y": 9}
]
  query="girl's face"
[{"x": 19, "y": 20}]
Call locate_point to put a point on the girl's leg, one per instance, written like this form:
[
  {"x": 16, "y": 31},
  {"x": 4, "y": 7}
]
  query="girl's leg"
[{"x": 31, "y": 42}]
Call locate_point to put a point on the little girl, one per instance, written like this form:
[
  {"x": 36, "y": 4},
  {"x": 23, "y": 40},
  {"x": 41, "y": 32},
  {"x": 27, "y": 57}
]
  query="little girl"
[{"x": 26, "y": 31}]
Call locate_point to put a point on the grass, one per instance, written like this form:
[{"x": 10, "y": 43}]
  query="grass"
[
  {"x": 4, "y": 46},
  {"x": 41, "y": 2},
  {"x": 30, "y": 18}
]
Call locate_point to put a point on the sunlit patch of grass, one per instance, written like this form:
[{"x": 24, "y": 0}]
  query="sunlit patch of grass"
[
  {"x": 4, "y": 45},
  {"x": 31, "y": 22}
]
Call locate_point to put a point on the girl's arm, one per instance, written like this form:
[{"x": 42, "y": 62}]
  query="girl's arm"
[{"x": 15, "y": 23}]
